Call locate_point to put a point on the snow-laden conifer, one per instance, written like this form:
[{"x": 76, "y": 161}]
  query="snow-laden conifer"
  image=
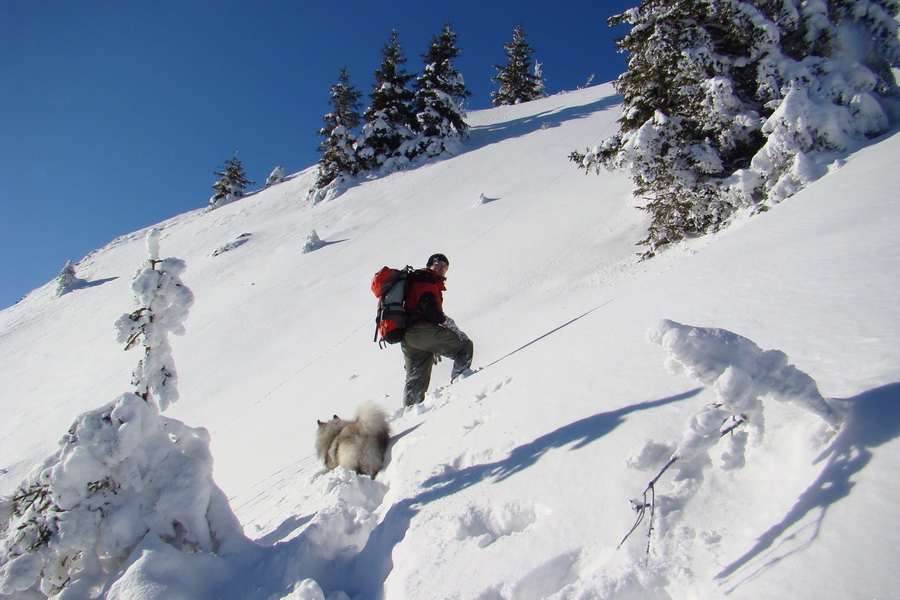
[
  {"x": 231, "y": 184},
  {"x": 518, "y": 83},
  {"x": 440, "y": 96},
  {"x": 727, "y": 101},
  {"x": 276, "y": 176},
  {"x": 390, "y": 119},
  {"x": 339, "y": 159},
  {"x": 313, "y": 242},
  {"x": 164, "y": 302},
  {"x": 67, "y": 280},
  {"x": 125, "y": 479}
]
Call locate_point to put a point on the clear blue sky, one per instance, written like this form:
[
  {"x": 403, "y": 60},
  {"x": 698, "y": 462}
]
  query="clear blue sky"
[{"x": 114, "y": 114}]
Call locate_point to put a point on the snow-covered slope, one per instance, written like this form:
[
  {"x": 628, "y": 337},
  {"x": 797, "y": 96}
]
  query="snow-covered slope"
[{"x": 514, "y": 483}]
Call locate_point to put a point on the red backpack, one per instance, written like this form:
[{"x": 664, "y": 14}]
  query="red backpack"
[{"x": 390, "y": 286}]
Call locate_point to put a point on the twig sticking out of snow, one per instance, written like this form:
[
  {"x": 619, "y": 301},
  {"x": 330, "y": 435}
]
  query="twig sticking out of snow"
[{"x": 641, "y": 506}]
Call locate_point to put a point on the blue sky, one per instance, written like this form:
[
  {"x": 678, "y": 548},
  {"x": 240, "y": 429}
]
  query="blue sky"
[{"x": 114, "y": 114}]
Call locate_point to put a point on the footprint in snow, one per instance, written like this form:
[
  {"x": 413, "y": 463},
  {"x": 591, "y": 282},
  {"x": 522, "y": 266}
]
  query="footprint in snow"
[{"x": 487, "y": 524}]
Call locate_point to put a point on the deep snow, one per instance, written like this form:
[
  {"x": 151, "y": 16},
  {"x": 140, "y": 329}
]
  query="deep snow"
[{"x": 515, "y": 482}]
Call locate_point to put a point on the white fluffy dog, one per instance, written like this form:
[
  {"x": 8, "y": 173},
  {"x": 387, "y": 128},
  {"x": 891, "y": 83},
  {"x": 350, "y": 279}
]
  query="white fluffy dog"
[{"x": 358, "y": 445}]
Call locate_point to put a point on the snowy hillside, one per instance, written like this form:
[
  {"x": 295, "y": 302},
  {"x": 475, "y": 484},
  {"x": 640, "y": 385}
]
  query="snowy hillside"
[{"x": 516, "y": 482}]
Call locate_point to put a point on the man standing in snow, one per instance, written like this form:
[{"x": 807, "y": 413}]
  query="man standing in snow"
[{"x": 430, "y": 333}]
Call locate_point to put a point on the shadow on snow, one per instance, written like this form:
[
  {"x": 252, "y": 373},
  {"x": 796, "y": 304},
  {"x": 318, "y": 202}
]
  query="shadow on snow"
[
  {"x": 373, "y": 564},
  {"x": 874, "y": 420},
  {"x": 485, "y": 135}
]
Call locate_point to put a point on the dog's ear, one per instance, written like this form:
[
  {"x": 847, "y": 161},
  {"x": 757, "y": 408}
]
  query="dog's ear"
[
  {"x": 319, "y": 422},
  {"x": 337, "y": 418}
]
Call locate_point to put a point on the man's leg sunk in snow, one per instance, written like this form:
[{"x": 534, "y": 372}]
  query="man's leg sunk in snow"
[{"x": 420, "y": 344}]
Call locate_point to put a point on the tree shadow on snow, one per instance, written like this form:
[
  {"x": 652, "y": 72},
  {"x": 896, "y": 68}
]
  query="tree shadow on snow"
[
  {"x": 84, "y": 284},
  {"x": 874, "y": 420},
  {"x": 485, "y": 135},
  {"x": 374, "y": 562}
]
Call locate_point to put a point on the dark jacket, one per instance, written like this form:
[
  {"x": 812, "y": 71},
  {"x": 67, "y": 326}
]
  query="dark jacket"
[{"x": 425, "y": 298}]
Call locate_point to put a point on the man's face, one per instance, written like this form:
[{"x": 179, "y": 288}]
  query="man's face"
[{"x": 440, "y": 267}]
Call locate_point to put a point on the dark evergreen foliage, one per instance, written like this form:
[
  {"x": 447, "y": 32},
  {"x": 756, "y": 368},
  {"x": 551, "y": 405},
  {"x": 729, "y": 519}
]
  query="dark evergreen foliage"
[
  {"x": 232, "y": 182},
  {"x": 440, "y": 95},
  {"x": 724, "y": 99},
  {"x": 390, "y": 119},
  {"x": 337, "y": 147},
  {"x": 518, "y": 83}
]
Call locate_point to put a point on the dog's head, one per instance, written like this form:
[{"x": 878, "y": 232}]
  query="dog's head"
[{"x": 333, "y": 419}]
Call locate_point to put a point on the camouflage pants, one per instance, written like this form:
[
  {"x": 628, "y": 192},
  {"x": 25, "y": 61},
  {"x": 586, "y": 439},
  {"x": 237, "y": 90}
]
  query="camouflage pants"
[{"x": 420, "y": 345}]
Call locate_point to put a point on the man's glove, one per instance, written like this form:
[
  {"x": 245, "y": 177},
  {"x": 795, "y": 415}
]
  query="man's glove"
[{"x": 451, "y": 325}]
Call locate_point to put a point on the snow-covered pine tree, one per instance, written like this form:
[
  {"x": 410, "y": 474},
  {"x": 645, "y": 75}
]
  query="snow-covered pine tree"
[
  {"x": 124, "y": 479},
  {"x": 338, "y": 145},
  {"x": 390, "y": 119},
  {"x": 440, "y": 96},
  {"x": 517, "y": 81},
  {"x": 276, "y": 176},
  {"x": 164, "y": 303},
  {"x": 231, "y": 184},
  {"x": 67, "y": 281},
  {"x": 541, "y": 88},
  {"x": 725, "y": 99},
  {"x": 313, "y": 243},
  {"x": 677, "y": 149},
  {"x": 831, "y": 89}
]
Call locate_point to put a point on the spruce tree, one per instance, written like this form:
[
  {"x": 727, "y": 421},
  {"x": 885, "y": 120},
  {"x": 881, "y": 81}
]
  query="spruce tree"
[
  {"x": 164, "y": 305},
  {"x": 231, "y": 184},
  {"x": 440, "y": 95},
  {"x": 67, "y": 280},
  {"x": 725, "y": 99},
  {"x": 517, "y": 81},
  {"x": 338, "y": 146},
  {"x": 276, "y": 176},
  {"x": 390, "y": 119}
]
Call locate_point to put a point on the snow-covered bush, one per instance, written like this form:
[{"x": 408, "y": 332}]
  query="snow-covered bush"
[
  {"x": 742, "y": 375},
  {"x": 313, "y": 242},
  {"x": 122, "y": 474}
]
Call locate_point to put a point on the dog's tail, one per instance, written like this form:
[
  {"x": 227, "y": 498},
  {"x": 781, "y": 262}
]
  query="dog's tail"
[{"x": 372, "y": 420}]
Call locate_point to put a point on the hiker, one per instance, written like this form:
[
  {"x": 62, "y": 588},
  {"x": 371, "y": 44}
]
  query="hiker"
[{"x": 430, "y": 333}]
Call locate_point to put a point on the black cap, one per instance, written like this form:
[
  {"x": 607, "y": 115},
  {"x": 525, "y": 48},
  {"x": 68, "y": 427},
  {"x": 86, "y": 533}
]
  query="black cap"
[{"x": 437, "y": 258}]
